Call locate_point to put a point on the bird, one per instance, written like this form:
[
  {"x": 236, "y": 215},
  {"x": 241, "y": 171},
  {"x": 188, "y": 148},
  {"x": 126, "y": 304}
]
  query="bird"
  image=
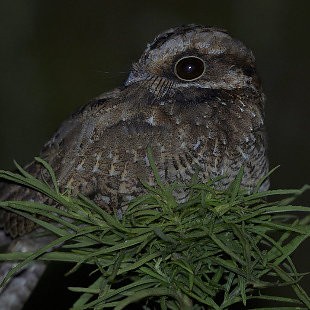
[{"x": 194, "y": 98}]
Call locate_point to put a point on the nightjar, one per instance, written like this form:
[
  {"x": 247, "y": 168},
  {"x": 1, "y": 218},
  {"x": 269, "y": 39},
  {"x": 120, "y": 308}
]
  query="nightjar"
[{"x": 194, "y": 98}]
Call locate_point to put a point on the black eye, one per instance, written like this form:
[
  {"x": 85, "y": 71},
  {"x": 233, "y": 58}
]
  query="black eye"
[{"x": 189, "y": 68}]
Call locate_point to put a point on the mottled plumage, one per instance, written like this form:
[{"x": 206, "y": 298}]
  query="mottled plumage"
[{"x": 193, "y": 97}]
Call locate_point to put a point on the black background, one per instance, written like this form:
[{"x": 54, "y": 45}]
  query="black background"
[{"x": 56, "y": 55}]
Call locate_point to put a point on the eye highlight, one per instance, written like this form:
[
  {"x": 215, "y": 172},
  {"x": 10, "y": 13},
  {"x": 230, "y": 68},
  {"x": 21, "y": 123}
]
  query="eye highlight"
[{"x": 189, "y": 68}]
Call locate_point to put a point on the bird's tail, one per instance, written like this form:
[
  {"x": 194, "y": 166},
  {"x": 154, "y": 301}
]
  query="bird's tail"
[{"x": 17, "y": 234}]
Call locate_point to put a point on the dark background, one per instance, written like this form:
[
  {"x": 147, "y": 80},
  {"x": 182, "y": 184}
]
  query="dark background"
[{"x": 56, "y": 55}]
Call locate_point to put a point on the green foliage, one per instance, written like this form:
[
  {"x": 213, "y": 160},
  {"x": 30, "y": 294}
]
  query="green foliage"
[{"x": 217, "y": 249}]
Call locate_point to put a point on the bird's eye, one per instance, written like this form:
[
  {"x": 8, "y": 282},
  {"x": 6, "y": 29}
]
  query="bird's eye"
[{"x": 189, "y": 68}]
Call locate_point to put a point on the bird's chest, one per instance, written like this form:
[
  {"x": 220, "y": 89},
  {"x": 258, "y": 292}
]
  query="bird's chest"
[{"x": 111, "y": 169}]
